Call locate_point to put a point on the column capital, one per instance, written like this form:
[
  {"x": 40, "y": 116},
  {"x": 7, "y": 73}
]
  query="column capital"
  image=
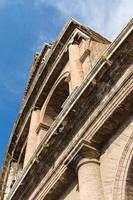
[
  {"x": 85, "y": 155},
  {"x": 79, "y": 161},
  {"x": 85, "y": 152}
]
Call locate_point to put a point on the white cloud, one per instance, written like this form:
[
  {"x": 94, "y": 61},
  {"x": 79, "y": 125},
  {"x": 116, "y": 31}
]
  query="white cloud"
[
  {"x": 120, "y": 16},
  {"x": 88, "y": 12},
  {"x": 106, "y": 17}
]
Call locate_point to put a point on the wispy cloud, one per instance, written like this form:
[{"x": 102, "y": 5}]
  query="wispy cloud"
[
  {"x": 86, "y": 11},
  {"x": 106, "y": 17},
  {"x": 120, "y": 15}
]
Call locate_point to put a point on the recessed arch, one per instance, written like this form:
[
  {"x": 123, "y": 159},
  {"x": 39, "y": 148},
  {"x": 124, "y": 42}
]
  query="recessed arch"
[
  {"x": 123, "y": 185},
  {"x": 55, "y": 100},
  {"x": 129, "y": 182}
]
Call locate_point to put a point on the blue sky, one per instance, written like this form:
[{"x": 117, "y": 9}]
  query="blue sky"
[{"x": 26, "y": 25}]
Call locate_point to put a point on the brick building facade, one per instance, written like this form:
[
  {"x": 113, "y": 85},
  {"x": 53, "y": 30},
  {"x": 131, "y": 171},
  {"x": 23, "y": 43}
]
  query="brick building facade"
[{"x": 73, "y": 138}]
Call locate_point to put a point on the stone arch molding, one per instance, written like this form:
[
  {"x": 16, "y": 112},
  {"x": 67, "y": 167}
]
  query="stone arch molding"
[
  {"x": 64, "y": 77},
  {"x": 123, "y": 184}
]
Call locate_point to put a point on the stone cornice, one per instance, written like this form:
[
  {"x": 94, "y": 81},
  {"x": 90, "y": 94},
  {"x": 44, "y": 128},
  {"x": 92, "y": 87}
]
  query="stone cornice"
[{"x": 36, "y": 66}]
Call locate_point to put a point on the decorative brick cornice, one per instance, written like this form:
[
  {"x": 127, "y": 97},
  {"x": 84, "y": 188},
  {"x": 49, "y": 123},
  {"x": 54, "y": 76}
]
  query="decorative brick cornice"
[{"x": 42, "y": 126}]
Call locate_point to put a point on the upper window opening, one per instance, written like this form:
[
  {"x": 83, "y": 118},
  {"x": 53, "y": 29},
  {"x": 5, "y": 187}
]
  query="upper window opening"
[{"x": 57, "y": 99}]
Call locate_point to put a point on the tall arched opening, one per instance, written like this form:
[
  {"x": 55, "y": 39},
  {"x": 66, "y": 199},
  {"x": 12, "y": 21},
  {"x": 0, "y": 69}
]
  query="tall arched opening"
[
  {"x": 56, "y": 101},
  {"x": 53, "y": 107}
]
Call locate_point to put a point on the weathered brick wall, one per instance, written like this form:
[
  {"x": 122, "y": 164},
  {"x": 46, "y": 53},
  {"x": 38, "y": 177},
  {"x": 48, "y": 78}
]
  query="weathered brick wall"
[
  {"x": 115, "y": 161},
  {"x": 71, "y": 193},
  {"x": 96, "y": 51}
]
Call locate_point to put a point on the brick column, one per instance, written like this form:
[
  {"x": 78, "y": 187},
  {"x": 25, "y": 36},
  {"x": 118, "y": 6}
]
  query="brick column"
[
  {"x": 32, "y": 136},
  {"x": 76, "y": 70},
  {"x": 89, "y": 177}
]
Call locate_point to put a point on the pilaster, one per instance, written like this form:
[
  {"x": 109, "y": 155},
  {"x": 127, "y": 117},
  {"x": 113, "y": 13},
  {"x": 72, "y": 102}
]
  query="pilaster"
[
  {"x": 76, "y": 70},
  {"x": 32, "y": 136}
]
